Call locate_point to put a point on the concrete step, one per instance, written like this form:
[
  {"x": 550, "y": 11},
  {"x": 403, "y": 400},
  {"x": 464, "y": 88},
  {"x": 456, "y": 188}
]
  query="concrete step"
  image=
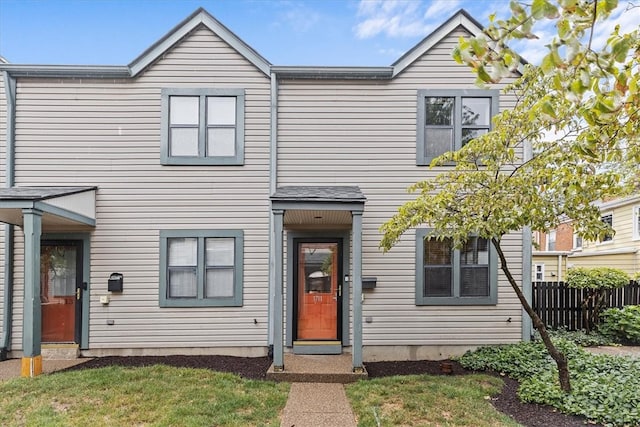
[
  {"x": 317, "y": 369},
  {"x": 60, "y": 351}
]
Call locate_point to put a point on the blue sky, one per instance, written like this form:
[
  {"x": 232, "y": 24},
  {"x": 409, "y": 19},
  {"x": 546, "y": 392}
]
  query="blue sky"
[{"x": 285, "y": 32}]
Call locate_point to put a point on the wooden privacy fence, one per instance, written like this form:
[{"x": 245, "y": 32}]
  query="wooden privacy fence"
[{"x": 561, "y": 307}]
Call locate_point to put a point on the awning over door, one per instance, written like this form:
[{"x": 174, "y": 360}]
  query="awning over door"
[
  {"x": 60, "y": 206},
  {"x": 318, "y": 205}
]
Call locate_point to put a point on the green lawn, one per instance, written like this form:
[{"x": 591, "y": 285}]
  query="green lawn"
[
  {"x": 422, "y": 400},
  {"x": 150, "y": 396}
]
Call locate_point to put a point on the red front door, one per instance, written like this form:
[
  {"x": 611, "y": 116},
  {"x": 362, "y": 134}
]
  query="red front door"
[
  {"x": 318, "y": 290},
  {"x": 60, "y": 290}
]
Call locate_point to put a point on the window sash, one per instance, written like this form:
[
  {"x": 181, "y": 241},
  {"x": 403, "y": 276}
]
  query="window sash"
[
  {"x": 208, "y": 131},
  {"x": 472, "y": 282},
  {"x": 210, "y": 274},
  {"x": 607, "y": 219},
  {"x": 427, "y": 148}
]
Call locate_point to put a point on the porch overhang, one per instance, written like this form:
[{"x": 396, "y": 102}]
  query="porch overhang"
[
  {"x": 323, "y": 207},
  {"x": 60, "y": 206},
  {"x": 318, "y": 205}
]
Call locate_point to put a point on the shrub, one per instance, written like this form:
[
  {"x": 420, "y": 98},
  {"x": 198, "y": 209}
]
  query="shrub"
[
  {"x": 622, "y": 324},
  {"x": 605, "y": 388},
  {"x": 597, "y": 281},
  {"x": 582, "y": 338}
]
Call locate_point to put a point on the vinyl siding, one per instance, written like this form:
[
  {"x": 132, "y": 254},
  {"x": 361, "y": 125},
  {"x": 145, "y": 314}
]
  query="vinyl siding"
[
  {"x": 623, "y": 225},
  {"x": 627, "y": 262},
  {"x": 107, "y": 133},
  {"x": 364, "y": 133}
]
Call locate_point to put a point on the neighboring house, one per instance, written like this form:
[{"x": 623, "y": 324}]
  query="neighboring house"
[
  {"x": 620, "y": 250},
  {"x": 201, "y": 200}
]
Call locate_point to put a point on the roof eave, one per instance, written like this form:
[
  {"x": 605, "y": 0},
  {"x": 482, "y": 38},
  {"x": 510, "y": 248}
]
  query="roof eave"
[
  {"x": 62, "y": 71},
  {"x": 343, "y": 73}
]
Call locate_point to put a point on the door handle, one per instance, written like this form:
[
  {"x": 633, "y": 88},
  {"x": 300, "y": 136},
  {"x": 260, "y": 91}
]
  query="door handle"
[
  {"x": 340, "y": 290},
  {"x": 78, "y": 294}
]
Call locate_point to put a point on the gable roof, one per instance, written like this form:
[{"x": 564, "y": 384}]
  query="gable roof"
[
  {"x": 202, "y": 18},
  {"x": 460, "y": 18},
  {"x": 199, "y": 17}
]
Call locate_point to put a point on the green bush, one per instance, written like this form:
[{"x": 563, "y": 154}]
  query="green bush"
[
  {"x": 582, "y": 338},
  {"x": 605, "y": 388},
  {"x": 622, "y": 324},
  {"x": 596, "y": 278}
]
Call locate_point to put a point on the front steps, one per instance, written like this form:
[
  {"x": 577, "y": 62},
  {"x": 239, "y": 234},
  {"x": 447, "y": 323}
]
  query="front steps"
[
  {"x": 60, "y": 351},
  {"x": 317, "y": 369}
]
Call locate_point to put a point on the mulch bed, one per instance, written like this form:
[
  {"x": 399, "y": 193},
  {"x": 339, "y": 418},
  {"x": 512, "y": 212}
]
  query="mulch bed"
[{"x": 527, "y": 414}]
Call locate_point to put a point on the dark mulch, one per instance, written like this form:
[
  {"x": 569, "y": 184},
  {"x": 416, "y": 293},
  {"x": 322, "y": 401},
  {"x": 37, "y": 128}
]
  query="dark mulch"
[{"x": 527, "y": 414}]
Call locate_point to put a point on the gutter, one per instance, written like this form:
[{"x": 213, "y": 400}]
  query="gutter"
[
  {"x": 273, "y": 184},
  {"x": 7, "y": 301}
]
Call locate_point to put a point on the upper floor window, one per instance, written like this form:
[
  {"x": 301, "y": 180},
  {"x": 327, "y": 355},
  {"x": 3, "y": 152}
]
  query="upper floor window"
[
  {"x": 551, "y": 240},
  {"x": 201, "y": 268},
  {"x": 577, "y": 241},
  {"x": 636, "y": 222},
  {"x": 607, "y": 219},
  {"x": 448, "y": 119},
  {"x": 448, "y": 276},
  {"x": 202, "y": 127}
]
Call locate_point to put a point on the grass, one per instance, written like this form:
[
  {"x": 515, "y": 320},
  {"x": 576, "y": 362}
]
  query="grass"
[
  {"x": 150, "y": 396},
  {"x": 417, "y": 400}
]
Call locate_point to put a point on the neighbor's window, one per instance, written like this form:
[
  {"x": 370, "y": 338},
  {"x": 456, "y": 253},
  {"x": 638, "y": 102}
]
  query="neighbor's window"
[
  {"x": 636, "y": 222},
  {"x": 607, "y": 219},
  {"x": 539, "y": 272},
  {"x": 551, "y": 240},
  {"x": 577, "y": 241},
  {"x": 202, "y": 126},
  {"x": 448, "y": 119},
  {"x": 448, "y": 276},
  {"x": 201, "y": 268}
]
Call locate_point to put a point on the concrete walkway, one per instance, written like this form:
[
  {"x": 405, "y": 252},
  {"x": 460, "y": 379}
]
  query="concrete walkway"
[
  {"x": 318, "y": 405},
  {"x": 626, "y": 350}
]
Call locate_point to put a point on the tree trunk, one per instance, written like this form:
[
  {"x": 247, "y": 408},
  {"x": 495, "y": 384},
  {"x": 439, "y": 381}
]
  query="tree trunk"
[{"x": 559, "y": 357}]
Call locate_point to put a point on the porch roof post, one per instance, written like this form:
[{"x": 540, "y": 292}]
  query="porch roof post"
[
  {"x": 357, "y": 291},
  {"x": 32, "y": 321},
  {"x": 278, "y": 303}
]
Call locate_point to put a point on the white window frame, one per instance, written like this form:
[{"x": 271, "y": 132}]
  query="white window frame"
[
  {"x": 202, "y": 158},
  {"x": 493, "y": 94},
  {"x": 608, "y": 239},
  {"x": 553, "y": 233},
  {"x": 539, "y": 272},
  {"x": 636, "y": 222}
]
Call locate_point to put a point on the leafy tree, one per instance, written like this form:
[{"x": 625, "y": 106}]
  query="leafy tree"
[{"x": 515, "y": 176}]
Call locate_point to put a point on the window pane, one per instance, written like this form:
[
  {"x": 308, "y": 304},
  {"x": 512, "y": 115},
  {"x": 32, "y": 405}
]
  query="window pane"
[
  {"x": 437, "y": 252},
  {"x": 183, "y": 110},
  {"x": 219, "y": 282},
  {"x": 184, "y": 142},
  {"x": 475, "y": 252},
  {"x": 221, "y": 110},
  {"x": 437, "y": 282},
  {"x": 474, "y": 281},
  {"x": 182, "y": 283},
  {"x": 438, "y": 141},
  {"x": 439, "y": 111},
  {"x": 182, "y": 251},
  {"x": 220, "y": 251},
  {"x": 476, "y": 111},
  {"x": 221, "y": 142},
  {"x": 469, "y": 134}
]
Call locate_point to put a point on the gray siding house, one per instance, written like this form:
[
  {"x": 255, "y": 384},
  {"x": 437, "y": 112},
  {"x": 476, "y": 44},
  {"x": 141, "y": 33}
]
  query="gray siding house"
[{"x": 201, "y": 200}]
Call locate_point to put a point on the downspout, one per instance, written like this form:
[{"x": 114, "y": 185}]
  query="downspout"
[
  {"x": 559, "y": 268},
  {"x": 7, "y": 301},
  {"x": 273, "y": 183},
  {"x": 527, "y": 257}
]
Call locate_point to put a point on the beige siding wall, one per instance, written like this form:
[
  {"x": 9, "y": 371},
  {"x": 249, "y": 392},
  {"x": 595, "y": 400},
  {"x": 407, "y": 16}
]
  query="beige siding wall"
[
  {"x": 107, "y": 133},
  {"x": 364, "y": 133},
  {"x": 555, "y": 267},
  {"x": 627, "y": 262},
  {"x": 623, "y": 225}
]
